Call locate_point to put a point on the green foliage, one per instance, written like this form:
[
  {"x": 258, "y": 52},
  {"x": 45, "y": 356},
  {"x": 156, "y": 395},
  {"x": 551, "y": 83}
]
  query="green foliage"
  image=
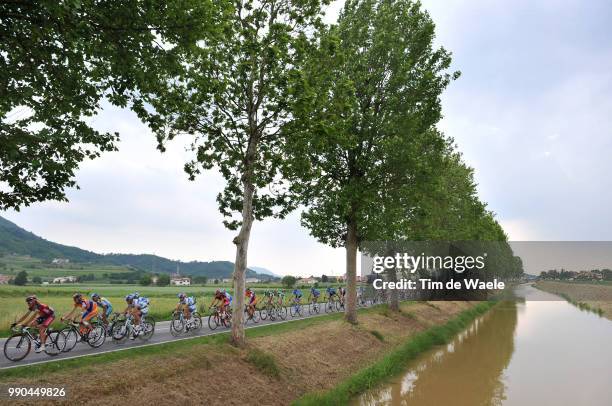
[
  {"x": 21, "y": 278},
  {"x": 378, "y": 335},
  {"x": 289, "y": 281},
  {"x": 163, "y": 280},
  {"x": 37, "y": 279},
  {"x": 60, "y": 60},
  {"x": 146, "y": 280},
  {"x": 264, "y": 362},
  {"x": 366, "y": 101},
  {"x": 229, "y": 95}
]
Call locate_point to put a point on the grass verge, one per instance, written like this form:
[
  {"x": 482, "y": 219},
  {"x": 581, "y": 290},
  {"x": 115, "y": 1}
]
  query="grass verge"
[
  {"x": 394, "y": 363},
  {"x": 264, "y": 362}
]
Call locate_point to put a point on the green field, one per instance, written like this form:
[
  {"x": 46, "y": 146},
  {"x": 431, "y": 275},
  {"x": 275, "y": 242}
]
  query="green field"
[{"x": 11, "y": 265}]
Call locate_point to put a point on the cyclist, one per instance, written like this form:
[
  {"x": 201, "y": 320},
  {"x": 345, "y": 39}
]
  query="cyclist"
[
  {"x": 224, "y": 299},
  {"x": 138, "y": 307},
  {"x": 45, "y": 314},
  {"x": 105, "y": 304},
  {"x": 331, "y": 292},
  {"x": 297, "y": 295},
  {"x": 280, "y": 294},
  {"x": 361, "y": 295},
  {"x": 269, "y": 294},
  {"x": 314, "y": 295},
  {"x": 250, "y": 294},
  {"x": 89, "y": 309},
  {"x": 341, "y": 294},
  {"x": 186, "y": 304}
]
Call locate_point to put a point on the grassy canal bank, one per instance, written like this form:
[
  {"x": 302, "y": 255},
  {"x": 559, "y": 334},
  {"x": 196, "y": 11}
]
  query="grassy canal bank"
[
  {"x": 587, "y": 296},
  {"x": 310, "y": 359}
]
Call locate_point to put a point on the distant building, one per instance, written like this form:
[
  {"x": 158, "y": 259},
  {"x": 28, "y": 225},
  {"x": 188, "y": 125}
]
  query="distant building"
[
  {"x": 60, "y": 261},
  {"x": 65, "y": 279},
  {"x": 227, "y": 280},
  {"x": 154, "y": 279},
  {"x": 4, "y": 279},
  {"x": 180, "y": 281},
  {"x": 307, "y": 281}
]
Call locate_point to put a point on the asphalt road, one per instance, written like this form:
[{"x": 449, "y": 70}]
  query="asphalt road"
[{"x": 162, "y": 335}]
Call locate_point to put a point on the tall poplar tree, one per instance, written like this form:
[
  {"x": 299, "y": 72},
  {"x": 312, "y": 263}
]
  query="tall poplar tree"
[
  {"x": 369, "y": 93},
  {"x": 230, "y": 99}
]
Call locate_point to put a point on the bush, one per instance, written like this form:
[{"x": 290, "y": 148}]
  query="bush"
[
  {"x": 21, "y": 278},
  {"x": 288, "y": 281},
  {"x": 37, "y": 279}
]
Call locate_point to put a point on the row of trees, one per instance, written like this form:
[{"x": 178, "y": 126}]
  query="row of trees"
[
  {"x": 339, "y": 119},
  {"x": 594, "y": 274}
]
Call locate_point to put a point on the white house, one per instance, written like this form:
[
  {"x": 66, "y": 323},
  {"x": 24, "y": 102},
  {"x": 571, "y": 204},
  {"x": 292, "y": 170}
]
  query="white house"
[
  {"x": 65, "y": 279},
  {"x": 252, "y": 280},
  {"x": 307, "y": 281},
  {"x": 60, "y": 261},
  {"x": 180, "y": 281}
]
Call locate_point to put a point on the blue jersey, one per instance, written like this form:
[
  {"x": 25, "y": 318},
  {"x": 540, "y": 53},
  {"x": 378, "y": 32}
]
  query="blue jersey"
[{"x": 297, "y": 293}]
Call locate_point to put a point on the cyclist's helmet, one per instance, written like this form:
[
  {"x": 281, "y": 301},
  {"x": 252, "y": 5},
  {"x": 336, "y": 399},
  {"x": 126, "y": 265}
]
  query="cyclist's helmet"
[
  {"x": 217, "y": 292},
  {"x": 249, "y": 290},
  {"x": 181, "y": 295},
  {"x": 95, "y": 296},
  {"x": 129, "y": 298},
  {"x": 77, "y": 297},
  {"x": 296, "y": 291},
  {"x": 31, "y": 298}
]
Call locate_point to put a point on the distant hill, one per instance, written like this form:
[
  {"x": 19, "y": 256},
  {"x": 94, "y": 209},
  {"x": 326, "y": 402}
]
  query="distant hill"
[
  {"x": 16, "y": 240},
  {"x": 264, "y": 271}
]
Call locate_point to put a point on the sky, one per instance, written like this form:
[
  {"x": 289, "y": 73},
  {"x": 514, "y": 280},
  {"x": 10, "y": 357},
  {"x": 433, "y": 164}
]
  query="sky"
[{"x": 531, "y": 113}]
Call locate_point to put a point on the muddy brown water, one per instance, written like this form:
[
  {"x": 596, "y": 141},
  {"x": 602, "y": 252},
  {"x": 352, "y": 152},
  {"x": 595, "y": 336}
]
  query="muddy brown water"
[{"x": 542, "y": 351}]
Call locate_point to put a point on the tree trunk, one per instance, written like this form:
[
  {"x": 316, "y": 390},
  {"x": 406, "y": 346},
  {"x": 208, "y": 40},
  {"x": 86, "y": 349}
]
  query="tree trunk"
[
  {"x": 242, "y": 246},
  {"x": 351, "y": 271}
]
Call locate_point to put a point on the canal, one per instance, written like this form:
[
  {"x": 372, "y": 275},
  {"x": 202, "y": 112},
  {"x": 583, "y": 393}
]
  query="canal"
[{"x": 538, "y": 350}]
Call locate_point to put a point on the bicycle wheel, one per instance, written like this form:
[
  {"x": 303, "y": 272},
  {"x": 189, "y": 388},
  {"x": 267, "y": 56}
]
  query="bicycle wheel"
[
  {"x": 148, "y": 328},
  {"x": 213, "y": 321},
  {"x": 338, "y": 305},
  {"x": 281, "y": 311},
  {"x": 56, "y": 341},
  {"x": 197, "y": 321},
  {"x": 17, "y": 346},
  {"x": 71, "y": 336},
  {"x": 293, "y": 310},
  {"x": 177, "y": 324},
  {"x": 119, "y": 330},
  {"x": 263, "y": 313},
  {"x": 329, "y": 306},
  {"x": 97, "y": 335}
]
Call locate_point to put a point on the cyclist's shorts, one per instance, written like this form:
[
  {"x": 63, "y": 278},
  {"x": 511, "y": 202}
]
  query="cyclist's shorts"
[
  {"x": 89, "y": 315},
  {"x": 45, "y": 321},
  {"x": 109, "y": 310}
]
